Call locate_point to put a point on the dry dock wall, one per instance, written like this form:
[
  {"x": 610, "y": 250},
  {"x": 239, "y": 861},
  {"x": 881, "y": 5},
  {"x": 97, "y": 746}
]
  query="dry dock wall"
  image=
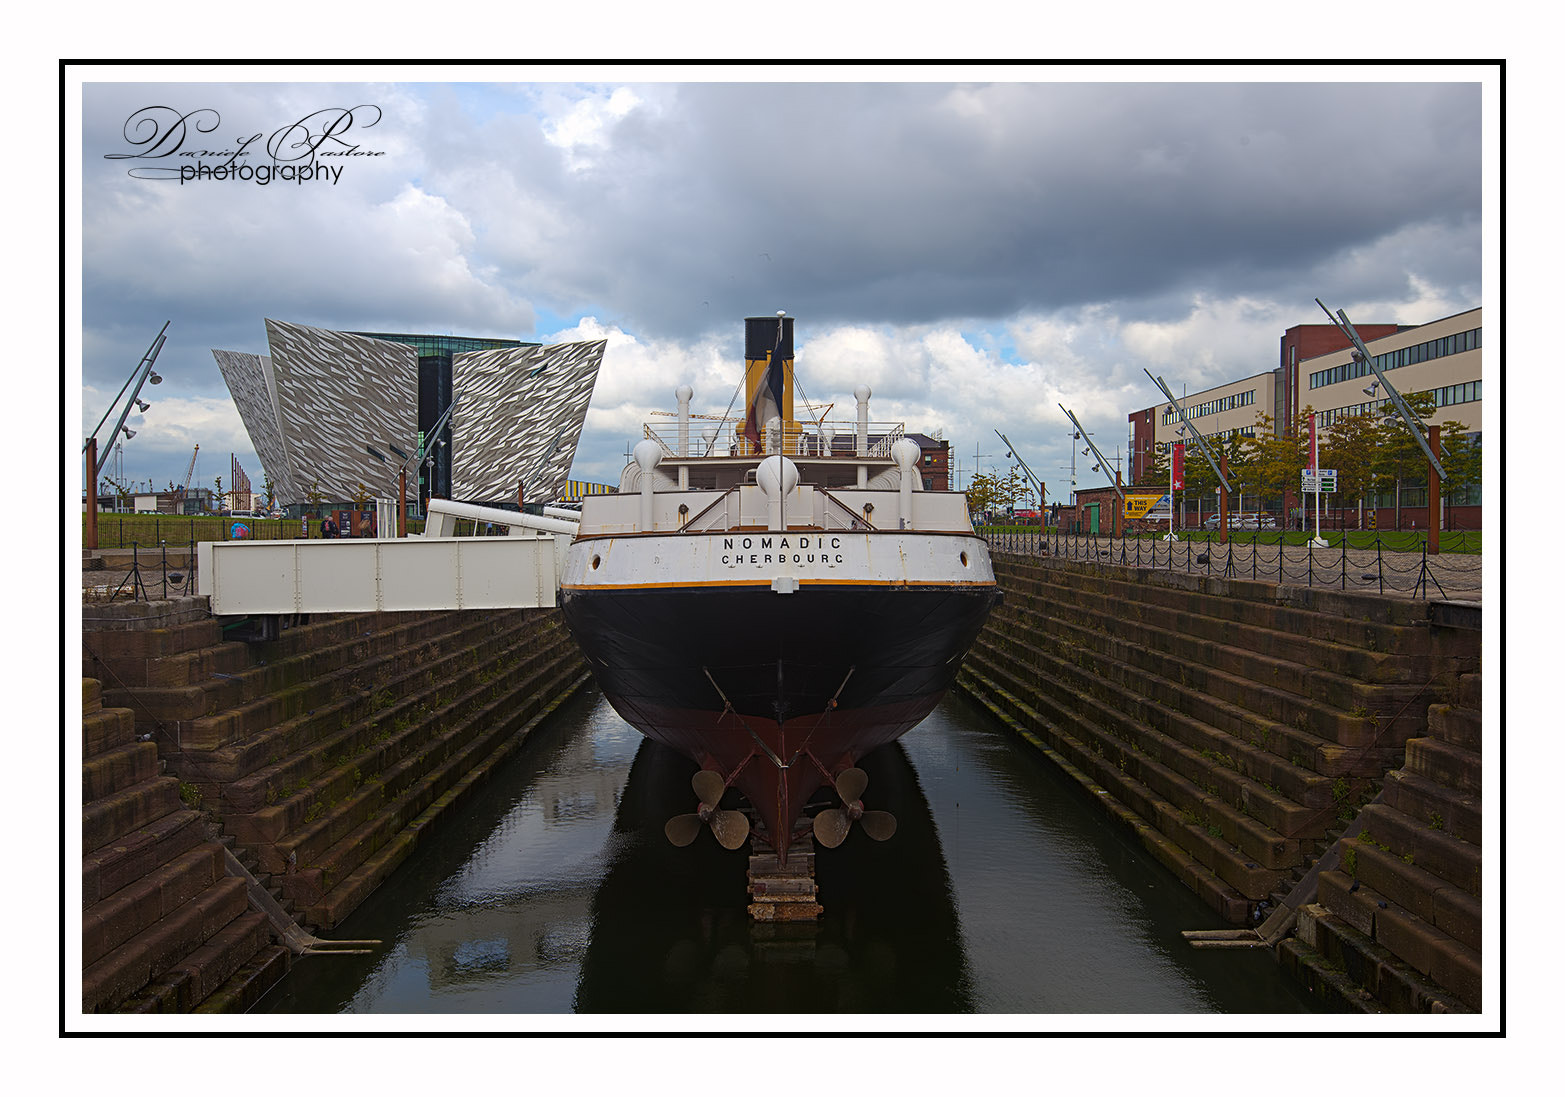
[
  {"x": 316, "y": 759},
  {"x": 1241, "y": 730}
]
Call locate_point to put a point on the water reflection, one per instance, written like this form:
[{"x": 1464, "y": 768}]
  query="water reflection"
[
  {"x": 670, "y": 932},
  {"x": 1004, "y": 890}
]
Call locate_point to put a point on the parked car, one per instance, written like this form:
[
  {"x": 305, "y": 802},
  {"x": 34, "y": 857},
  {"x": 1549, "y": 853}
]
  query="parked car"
[{"x": 1243, "y": 521}]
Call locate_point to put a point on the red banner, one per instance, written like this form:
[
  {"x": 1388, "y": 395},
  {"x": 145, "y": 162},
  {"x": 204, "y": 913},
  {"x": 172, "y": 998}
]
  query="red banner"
[
  {"x": 1177, "y": 466},
  {"x": 1314, "y": 451}
]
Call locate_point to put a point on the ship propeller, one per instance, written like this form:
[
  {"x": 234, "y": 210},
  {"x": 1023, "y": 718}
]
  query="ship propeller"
[
  {"x": 730, "y": 828},
  {"x": 833, "y": 824}
]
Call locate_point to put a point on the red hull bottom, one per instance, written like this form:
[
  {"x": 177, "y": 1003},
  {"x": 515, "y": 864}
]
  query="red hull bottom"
[{"x": 777, "y": 767}]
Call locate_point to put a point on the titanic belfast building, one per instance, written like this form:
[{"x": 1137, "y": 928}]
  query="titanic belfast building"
[{"x": 340, "y": 413}]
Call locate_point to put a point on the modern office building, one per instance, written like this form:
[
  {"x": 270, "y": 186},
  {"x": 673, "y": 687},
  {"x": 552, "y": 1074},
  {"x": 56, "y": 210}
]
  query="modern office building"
[
  {"x": 339, "y": 414},
  {"x": 1317, "y": 372},
  {"x": 1223, "y": 411},
  {"x": 1443, "y": 358}
]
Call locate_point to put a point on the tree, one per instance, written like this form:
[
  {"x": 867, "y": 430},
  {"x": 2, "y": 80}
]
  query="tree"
[
  {"x": 1350, "y": 447},
  {"x": 1201, "y": 478},
  {"x": 991, "y": 491},
  {"x": 1398, "y": 457},
  {"x": 218, "y": 480},
  {"x": 1276, "y": 460},
  {"x": 1462, "y": 459}
]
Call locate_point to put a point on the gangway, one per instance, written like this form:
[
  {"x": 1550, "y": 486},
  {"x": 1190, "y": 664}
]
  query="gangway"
[{"x": 435, "y": 571}]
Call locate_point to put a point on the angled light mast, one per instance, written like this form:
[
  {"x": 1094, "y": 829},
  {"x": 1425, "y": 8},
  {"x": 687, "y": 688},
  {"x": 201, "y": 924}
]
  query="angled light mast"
[
  {"x": 1184, "y": 419},
  {"x": 1103, "y": 462},
  {"x": 1410, "y": 418},
  {"x": 1017, "y": 455}
]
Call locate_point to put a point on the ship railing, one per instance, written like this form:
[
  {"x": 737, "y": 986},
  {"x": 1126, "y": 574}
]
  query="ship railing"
[
  {"x": 798, "y": 439},
  {"x": 714, "y": 516},
  {"x": 723, "y": 514}
]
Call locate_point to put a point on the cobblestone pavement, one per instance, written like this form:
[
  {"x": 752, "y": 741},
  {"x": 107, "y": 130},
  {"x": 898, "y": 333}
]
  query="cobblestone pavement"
[
  {"x": 1447, "y": 576},
  {"x": 102, "y": 584}
]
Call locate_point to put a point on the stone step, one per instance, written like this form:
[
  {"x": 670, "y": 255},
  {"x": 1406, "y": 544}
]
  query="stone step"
[
  {"x": 1470, "y": 691},
  {"x": 115, "y": 816},
  {"x": 356, "y": 782},
  {"x": 1217, "y": 729},
  {"x": 1458, "y": 813},
  {"x": 307, "y": 683},
  {"x": 347, "y": 698},
  {"x": 118, "y": 769},
  {"x": 193, "y": 980},
  {"x": 1129, "y": 719},
  {"x": 249, "y": 984},
  {"x": 106, "y": 729},
  {"x": 1262, "y": 630},
  {"x": 130, "y": 646},
  {"x": 1417, "y": 843},
  {"x": 1099, "y": 757},
  {"x": 1250, "y": 851},
  {"x": 339, "y": 901},
  {"x": 1125, "y": 802},
  {"x": 1348, "y": 713},
  {"x": 1413, "y": 941},
  {"x": 115, "y": 919},
  {"x": 1436, "y": 901},
  {"x": 184, "y": 668},
  {"x": 332, "y": 846},
  {"x": 124, "y": 971},
  {"x": 369, "y": 738},
  {"x": 1453, "y": 766},
  {"x": 1460, "y": 727},
  {"x": 1296, "y": 744},
  {"x": 131, "y": 856}
]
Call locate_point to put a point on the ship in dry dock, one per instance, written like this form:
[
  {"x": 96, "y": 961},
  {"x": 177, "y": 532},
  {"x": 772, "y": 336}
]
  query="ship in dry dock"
[{"x": 775, "y": 595}]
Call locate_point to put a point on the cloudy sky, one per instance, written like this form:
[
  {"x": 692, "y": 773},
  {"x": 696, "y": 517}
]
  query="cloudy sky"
[{"x": 979, "y": 252}]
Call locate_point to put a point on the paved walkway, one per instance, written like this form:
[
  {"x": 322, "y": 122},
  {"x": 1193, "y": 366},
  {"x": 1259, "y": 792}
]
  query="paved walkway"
[
  {"x": 1449, "y": 576},
  {"x": 1446, "y": 576}
]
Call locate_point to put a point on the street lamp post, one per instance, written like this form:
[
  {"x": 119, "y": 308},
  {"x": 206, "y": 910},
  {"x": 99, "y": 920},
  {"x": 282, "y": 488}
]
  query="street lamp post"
[
  {"x": 1409, "y": 417},
  {"x": 92, "y": 462}
]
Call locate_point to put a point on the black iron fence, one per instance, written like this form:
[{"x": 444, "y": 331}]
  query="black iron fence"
[
  {"x": 1394, "y": 564},
  {"x": 149, "y": 573},
  {"x": 125, "y": 530}
]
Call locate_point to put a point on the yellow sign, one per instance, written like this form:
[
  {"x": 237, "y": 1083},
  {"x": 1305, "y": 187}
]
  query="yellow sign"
[{"x": 1143, "y": 506}]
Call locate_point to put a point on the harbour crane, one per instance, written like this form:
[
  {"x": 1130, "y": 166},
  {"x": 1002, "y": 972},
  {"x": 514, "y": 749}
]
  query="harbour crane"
[{"x": 190, "y": 470}]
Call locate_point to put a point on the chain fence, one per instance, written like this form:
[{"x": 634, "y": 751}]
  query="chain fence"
[
  {"x": 1392, "y": 565},
  {"x": 152, "y": 573}
]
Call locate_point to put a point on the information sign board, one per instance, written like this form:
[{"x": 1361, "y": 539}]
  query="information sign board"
[{"x": 1318, "y": 480}]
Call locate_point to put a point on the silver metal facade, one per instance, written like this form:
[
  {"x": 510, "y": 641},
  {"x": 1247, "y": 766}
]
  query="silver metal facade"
[
  {"x": 519, "y": 418},
  {"x": 317, "y": 405}
]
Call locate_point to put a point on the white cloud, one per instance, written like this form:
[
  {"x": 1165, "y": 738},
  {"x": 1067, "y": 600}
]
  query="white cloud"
[
  {"x": 583, "y": 129},
  {"x": 977, "y": 253}
]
